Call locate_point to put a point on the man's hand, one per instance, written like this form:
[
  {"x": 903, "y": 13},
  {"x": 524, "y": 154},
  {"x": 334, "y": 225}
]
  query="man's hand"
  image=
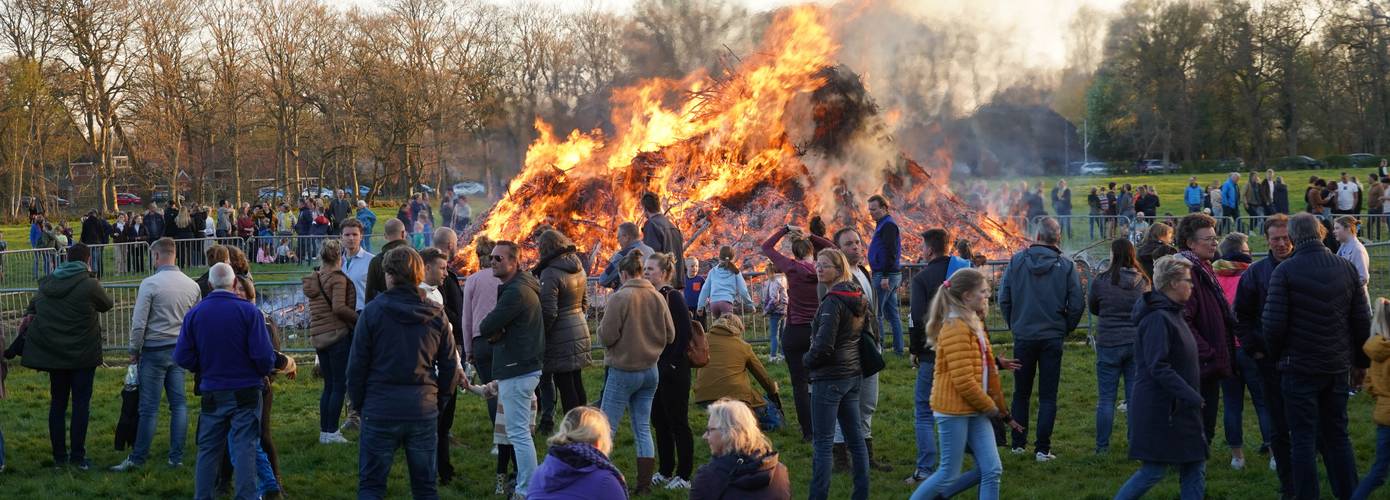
[
  {"x": 883, "y": 283},
  {"x": 1358, "y": 378},
  {"x": 134, "y": 358},
  {"x": 1017, "y": 427},
  {"x": 1008, "y": 364},
  {"x": 291, "y": 369}
]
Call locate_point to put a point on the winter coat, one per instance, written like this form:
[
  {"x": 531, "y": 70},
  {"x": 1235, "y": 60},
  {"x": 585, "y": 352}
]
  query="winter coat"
[
  {"x": 1211, "y": 321},
  {"x": 1113, "y": 305},
  {"x": 368, "y": 220},
  {"x": 1228, "y": 272},
  {"x": 802, "y": 301},
  {"x": 403, "y": 358},
  {"x": 736, "y": 476},
  {"x": 1193, "y": 195},
  {"x": 636, "y": 326},
  {"x": 576, "y": 471},
  {"x": 673, "y": 356},
  {"x": 332, "y": 305},
  {"x": 515, "y": 328},
  {"x": 843, "y": 316},
  {"x": 1230, "y": 194},
  {"x": 731, "y": 359},
  {"x": 1040, "y": 295},
  {"x": 1378, "y": 377},
  {"x": 562, "y": 311},
  {"x": 65, "y": 333},
  {"x": 1316, "y": 313},
  {"x": 1249, "y": 307},
  {"x": 924, "y": 286},
  {"x": 1150, "y": 251},
  {"x": 886, "y": 249},
  {"x": 663, "y": 236},
  {"x": 961, "y": 364},
  {"x": 723, "y": 285},
  {"x": 1165, "y": 411},
  {"x": 1281, "y": 198},
  {"x": 376, "y": 276}
]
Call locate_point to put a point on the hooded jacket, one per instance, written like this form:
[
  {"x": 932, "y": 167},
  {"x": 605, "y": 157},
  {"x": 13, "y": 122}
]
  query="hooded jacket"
[
  {"x": 1165, "y": 412},
  {"x": 1378, "y": 377},
  {"x": 403, "y": 358},
  {"x": 1316, "y": 314},
  {"x": 66, "y": 333},
  {"x": 562, "y": 311},
  {"x": 332, "y": 306},
  {"x": 1113, "y": 305},
  {"x": 515, "y": 328},
  {"x": 1249, "y": 306},
  {"x": 576, "y": 471},
  {"x": 736, "y": 476},
  {"x": 1150, "y": 251},
  {"x": 1040, "y": 295},
  {"x": 723, "y": 285},
  {"x": 636, "y": 326},
  {"x": 731, "y": 359},
  {"x": 843, "y": 316}
]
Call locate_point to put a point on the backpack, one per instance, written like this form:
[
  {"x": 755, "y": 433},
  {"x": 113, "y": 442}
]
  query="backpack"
[{"x": 698, "y": 350}]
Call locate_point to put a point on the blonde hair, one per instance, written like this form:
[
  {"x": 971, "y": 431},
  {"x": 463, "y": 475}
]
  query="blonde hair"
[
  {"x": 587, "y": 425},
  {"x": 837, "y": 259},
  {"x": 1169, "y": 269},
  {"x": 951, "y": 298},
  {"x": 666, "y": 263},
  {"x": 1380, "y": 322},
  {"x": 738, "y": 427}
]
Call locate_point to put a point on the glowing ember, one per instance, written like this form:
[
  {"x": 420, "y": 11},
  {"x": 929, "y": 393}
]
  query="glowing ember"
[{"x": 784, "y": 135}]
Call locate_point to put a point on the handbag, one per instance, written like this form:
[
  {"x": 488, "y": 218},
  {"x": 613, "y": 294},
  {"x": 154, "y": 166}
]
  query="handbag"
[
  {"x": 770, "y": 415},
  {"x": 870, "y": 359},
  {"x": 326, "y": 340}
]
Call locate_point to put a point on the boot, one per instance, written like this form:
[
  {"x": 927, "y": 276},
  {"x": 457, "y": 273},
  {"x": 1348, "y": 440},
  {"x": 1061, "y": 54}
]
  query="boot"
[
  {"x": 841, "y": 456},
  {"x": 875, "y": 464},
  {"x": 645, "y": 468}
]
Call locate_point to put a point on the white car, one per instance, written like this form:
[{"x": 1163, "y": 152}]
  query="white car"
[
  {"x": 469, "y": 188},
  {"x": 1095, "y": 168}
]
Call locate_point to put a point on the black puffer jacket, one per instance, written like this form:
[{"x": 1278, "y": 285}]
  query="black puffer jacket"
[
  {"x": 562, "y": 310},
  {"x": 736, "y": 476},
  {"x": 1150, "y": 251},
  {"x": 1316, "y": 317},
  {"x": 1113, "y": 304},
  {"x": 842, "y": 316}
]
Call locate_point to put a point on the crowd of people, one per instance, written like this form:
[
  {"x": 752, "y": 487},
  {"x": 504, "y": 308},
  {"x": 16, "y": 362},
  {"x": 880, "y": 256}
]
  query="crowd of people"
[{"x": 1188, "y": 319}]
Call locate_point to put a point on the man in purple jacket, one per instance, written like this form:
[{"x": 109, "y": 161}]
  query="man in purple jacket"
[{"x": 224, "y": 339}]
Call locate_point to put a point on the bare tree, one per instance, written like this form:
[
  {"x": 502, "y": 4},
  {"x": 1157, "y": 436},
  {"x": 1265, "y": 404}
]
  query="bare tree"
[{"x": 228, "y": 50}]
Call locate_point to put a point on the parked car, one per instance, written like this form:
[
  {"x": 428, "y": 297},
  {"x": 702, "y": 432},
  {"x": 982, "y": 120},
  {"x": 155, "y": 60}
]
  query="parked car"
[
  {"x": 1231, "y": 164},
  {"x": 28, "y": 201},
  {"x": 1095, "y": 168},
  {"x": 314, "y": 191},
  {"x": 127, "y": 199},
  {"x": 1295, "y": 162},
  {"x": 160, "y": 197},
  {"x": 424, "y": 188},
  {"x": 1364, "y": 159},
  {"x": 1156, "y": 167},
  {"x": 269, "y": 193},
  {"x": 469, "y": 188}
]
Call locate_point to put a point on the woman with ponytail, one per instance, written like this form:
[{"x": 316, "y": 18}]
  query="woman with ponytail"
[
  {"x": 724, "y": 286},
  {"x": 675, "y": 445}
]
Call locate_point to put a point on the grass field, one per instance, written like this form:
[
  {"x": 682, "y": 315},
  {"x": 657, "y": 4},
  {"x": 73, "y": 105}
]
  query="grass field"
[{"x": 316, "y": 471}]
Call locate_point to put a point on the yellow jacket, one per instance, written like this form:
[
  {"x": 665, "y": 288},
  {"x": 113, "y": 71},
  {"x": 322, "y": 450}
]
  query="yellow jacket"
[
  {"x": 731, "y": 360},
  {"x": 1378, "y": 377},
  {"x": 958, "y": 386}
]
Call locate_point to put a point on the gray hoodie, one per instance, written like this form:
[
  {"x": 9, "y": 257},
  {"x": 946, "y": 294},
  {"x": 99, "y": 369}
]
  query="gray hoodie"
[{"x": 1040, "y": 294}]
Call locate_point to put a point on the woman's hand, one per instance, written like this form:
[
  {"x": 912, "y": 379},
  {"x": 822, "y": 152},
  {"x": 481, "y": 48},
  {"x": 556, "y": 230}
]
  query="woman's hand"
[{"x": 1017, "y": 427}]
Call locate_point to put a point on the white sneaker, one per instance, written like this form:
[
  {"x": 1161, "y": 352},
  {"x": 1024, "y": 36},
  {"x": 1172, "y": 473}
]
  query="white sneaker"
[
  {"x": 332, "y": 438},
  {"x": 1019, "y": 451},
  {"x": 1274, "y": 466},
  {"x": 676, "y": 483},
  {"x": 658, "y": 479},
  {"x": 1237, "y": 463},
  {"x": 1123, "y": 407},
  {"x": 1045, "y": 457},
  {"x": 494, "y": 450},
  {"x": 125, "y": 465}
]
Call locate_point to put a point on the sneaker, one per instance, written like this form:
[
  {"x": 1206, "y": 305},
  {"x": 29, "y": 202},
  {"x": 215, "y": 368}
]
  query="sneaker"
[
  {"x": 125, "y": 465},
  {"x": 659, "y": 479},
  {"x": 173, "y": 464},
  {"x": 351, "y": 422},
  {"x": 1274, "y": 466},
  {"x": 1019, "y": 451},
  {"x": 676, "y": 483},
  {"x": 1044, "y": 456},
  {"x": 1123, "y": 407},
  {"x": 916, "y": 477},
  {"x": 1237, "y": 463},
  {"x": 332, "y": 438},
  {"x": 501, "y": 488},
  {"x": 494, "y": 450},
  {"x": 84, "y": 465}
]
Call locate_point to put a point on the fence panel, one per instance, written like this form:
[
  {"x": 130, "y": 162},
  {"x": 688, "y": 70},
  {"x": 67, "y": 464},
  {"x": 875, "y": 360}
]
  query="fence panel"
[
  {"x": 118, "y": 262},
  {"x": 23, "y": 268}
]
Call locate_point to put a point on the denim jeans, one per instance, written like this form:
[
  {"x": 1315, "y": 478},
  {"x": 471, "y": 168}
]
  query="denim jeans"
[
  {"x": 1374, "y": 477},
  {"x": 159, "y": 374},
  {"x": 1041, "y": 358},
  {"x": 377, "y": 449},
  {"x": 923, "y": 422},
  {"x": 230, "y": 422},
  {"x": 266, "y": 481},
  {"x": 333, "y": 365},
  {"x": 774, "y": 329},
  {"x": 1233, "y": 399},
  {"x": 625, "y": 389},
  {"x": 514, "y": 394},
  {"x": 63, "y": 384},
  {"x": 1192, "y": 477},
  {"x": 1316, "y": 406},
  {"x": 1272, "y": 383},
  {"x": 1065, "y": 221},
  {"x": 1111, "y": 364},
  {"x": 888, "y": 306},
  {"x": 836, "y": 401},
  {"x": 868, "y": 405},
  {"x": 956, "y": 433}
]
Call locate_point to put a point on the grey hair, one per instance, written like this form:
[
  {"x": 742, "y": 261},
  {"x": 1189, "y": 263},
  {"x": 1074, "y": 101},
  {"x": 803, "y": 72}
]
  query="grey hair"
[
  {"x": 1233, "y": 243},
  {"x": 1049, "y": 231},
  {"x": 221, "y": 276},
  {"x": 1169, "y": 269},
  {"x": 361, "y": 203},
  {"x": 1304, "y": 227},
  {"x": 444, "y": 236}
]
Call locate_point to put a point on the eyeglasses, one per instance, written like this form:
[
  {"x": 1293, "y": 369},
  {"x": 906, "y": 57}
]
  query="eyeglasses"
[{"x": 1210, "y": 239}]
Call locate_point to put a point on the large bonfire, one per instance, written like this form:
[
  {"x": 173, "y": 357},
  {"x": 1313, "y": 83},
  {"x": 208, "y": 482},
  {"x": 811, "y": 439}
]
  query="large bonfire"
[{"x": 781, "y": 136}]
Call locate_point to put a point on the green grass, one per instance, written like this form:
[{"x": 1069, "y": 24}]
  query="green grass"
[{"x": 311, "y": 470}]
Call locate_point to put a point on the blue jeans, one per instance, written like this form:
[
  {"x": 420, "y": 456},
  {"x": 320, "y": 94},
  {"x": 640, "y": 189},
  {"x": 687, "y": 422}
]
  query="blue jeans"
[
  {"x": 266, "y": 481},
  {"x": 377, "y": 449},
  {"x": 333, "y": 365},
  {"x": 837, "y": 401},
  {"x": 229, "y": 423},
  {"x": 514, "y": 394},
  {"x": 923, "y": 422},
  {"x": 159, "y": 374},
  {"x": 1233, "y": 398},
  {"x": 888, "y": 306},
  {"x": 1374, "y": 477},
  {"x": 1064, "y": 219},
  {"x": 1192, "y": 478},
  {"x": 1096, "y": 221},
  {"x": 1316, "y": 406},
  {"x": 1041, "y": 358},
  {"x": 956, "y": 433},
  {"x": 625, "y": 389},
  {"x": 1111, "y": 364},
  {"x": 774, "y": 328}
]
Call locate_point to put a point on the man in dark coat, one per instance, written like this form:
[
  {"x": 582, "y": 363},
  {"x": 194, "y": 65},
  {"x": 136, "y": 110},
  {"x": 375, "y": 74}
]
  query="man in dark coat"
[
  {"x": 1249, "y": 306},
  {"x": 154, "y": 223},
  {"x": 338, "y": 211},
  {"x": 95, "y": 231},
  {"x": 663, "y": 236},
  {"x": 446, "y": 243},
  {"x": 925, "y": 283},
  {"x": 516, "y": 331},
  {"x": 1315, "y": 320},
  {"x": 376, "y": 278}
]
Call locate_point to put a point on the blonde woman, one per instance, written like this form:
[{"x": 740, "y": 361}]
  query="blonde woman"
[
  {"x": 742, "y": 464},
  {"x": 966, "y": 395},
  {"x": 1378, "y": 385},
  {"x": 834, "y": 369},
  {"x": 576, "y": 464}
]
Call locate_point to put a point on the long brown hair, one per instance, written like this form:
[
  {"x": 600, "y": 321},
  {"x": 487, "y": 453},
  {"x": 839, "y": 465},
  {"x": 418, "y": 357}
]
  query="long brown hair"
[
  {"x": 951, "y": 297},
  {"x": 1122, "y": 255},
  {"x": 726, "y": 259}
]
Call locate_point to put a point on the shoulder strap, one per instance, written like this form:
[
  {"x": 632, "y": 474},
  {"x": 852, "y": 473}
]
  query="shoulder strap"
[{"x": 327, "y": 297}]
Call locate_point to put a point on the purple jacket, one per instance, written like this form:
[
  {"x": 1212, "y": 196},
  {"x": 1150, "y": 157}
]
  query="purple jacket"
[
  {"x": 576, "y": 472},
  {"x": 1209, "y": 317}
]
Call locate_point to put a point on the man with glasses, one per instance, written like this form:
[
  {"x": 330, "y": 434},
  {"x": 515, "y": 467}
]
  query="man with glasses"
[{"x": 516, "y": 332}]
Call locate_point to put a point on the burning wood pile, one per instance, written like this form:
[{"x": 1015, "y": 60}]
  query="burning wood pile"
[{"x": 783, "y": 135}]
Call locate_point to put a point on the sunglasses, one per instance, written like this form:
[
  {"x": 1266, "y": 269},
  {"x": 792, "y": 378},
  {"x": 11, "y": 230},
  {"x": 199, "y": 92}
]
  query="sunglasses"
[{"x": 498, "y": 258}]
